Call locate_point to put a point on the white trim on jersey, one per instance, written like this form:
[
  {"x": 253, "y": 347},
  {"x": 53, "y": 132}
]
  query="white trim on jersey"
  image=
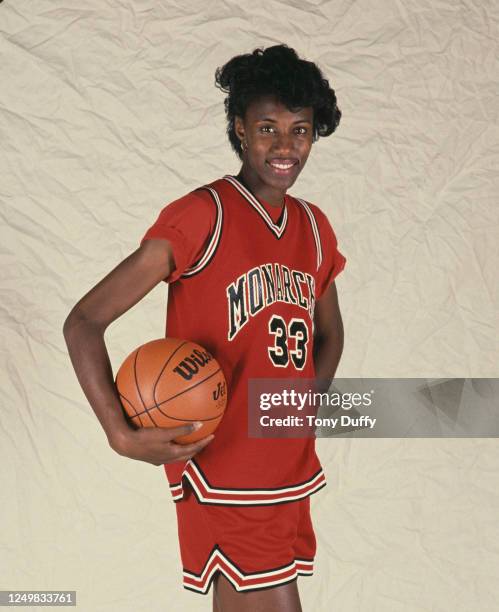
[
  {"x": 213, "y": 244},
  {"x": 278, "y": 230},
  {"x": 207, "y": 493},
  {"x": 315, "y": 230}
]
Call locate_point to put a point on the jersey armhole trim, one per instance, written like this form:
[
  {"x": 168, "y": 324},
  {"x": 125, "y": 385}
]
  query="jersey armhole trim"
[
  {"x": 214, "y": 240},
  {"x": 315, "y": 230}
]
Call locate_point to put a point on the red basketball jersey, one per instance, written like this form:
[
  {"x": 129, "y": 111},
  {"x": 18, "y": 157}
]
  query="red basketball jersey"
[{"x": 245, "y": 271}]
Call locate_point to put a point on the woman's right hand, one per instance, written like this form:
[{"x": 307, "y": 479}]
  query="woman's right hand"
[{"x": 155, "y": 444}]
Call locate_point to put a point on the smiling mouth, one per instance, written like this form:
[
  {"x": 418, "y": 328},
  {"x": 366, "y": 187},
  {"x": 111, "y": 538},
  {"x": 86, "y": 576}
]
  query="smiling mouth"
[{"x": 283, "y": 167}]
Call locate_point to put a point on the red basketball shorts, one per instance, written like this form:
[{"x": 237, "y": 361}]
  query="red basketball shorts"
[{"x": 255, "y": 547}]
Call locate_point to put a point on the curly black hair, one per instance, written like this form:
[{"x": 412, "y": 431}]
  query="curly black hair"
[{"x": 277, "y": 71}]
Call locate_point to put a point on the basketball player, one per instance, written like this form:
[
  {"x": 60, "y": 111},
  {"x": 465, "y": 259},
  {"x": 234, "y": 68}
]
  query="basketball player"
[{"x": 251, "y": 274}]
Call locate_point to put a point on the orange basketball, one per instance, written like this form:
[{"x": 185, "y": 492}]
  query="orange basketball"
[{"x": 170, "y": 382}]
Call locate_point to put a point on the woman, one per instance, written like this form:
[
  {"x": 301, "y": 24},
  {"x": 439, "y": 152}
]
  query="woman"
[{"x": 251, "y": 271}]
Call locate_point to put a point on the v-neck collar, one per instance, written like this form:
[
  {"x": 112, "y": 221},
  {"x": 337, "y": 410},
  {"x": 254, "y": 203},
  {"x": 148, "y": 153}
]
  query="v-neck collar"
[{"x": 276, "y": 227}]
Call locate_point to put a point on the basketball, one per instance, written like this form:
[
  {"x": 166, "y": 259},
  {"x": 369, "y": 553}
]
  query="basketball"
[{"x": 170, "y": 382}]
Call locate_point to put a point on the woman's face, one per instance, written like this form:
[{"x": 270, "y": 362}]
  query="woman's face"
[{"x": 275, "y": 136}]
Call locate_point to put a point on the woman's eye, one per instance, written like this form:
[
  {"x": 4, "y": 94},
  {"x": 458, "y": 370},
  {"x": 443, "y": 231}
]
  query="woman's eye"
[
  {"x": 302, "y": 128},
  {"x": 267, "y": 127}
]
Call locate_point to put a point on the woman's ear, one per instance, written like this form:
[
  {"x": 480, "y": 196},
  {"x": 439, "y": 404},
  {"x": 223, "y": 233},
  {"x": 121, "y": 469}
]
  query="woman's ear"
[{"x": 239, "y": 127}]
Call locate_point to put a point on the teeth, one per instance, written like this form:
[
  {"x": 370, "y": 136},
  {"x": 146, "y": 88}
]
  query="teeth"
[{"x": 282, "y": 166}]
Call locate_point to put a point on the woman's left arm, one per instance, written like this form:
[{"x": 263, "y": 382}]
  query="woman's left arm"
[{"x": 328, "y": 337}]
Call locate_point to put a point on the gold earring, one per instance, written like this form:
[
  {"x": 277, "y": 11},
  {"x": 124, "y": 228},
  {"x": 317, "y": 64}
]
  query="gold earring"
[{"x": 244, "y": 145}]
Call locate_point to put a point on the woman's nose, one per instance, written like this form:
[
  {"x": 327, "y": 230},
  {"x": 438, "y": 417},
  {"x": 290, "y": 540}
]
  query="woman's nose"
[{"x": 283, "y": 144}]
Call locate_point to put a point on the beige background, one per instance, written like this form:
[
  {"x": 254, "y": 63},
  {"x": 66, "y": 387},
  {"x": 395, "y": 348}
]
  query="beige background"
[{"x": 108, "y": 111}]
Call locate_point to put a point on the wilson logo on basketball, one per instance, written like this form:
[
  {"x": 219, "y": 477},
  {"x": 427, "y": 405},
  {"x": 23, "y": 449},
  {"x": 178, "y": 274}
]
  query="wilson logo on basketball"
[{"x": 189, "y": 366}]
